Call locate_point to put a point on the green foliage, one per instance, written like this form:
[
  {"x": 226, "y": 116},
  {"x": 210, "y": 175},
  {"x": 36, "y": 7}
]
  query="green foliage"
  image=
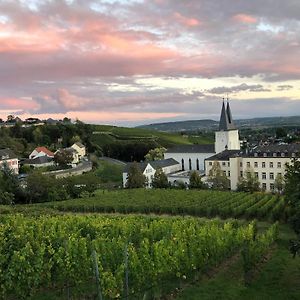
[
  {"x": 205, "y": 203},
  {"x": 292, "y": 191},
  {"x": 155, "y": 154},
  {"x": 195, "y": 181},
  {"x": 63, "y": 157},
  {"x": 160, "y": 179},
  {"x": 52, "y": 251},
  {"x": 217, "y": 179},
  {"x": 135, "y": 177},
  {"x": 248, "y": 183},
  {"x": 279, "y": 183}
]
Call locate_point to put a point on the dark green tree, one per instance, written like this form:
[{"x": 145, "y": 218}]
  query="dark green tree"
[
  {"x": 135, "y": 177},
  {"x": 292, "y": 191},
  {"x": 63, "y": 157},
  {"x": 195, "y": 181},
  {"x": 160, "y": 179},
  {"x": 217, "y": 179},
  {"x": 248, "y": 183}
]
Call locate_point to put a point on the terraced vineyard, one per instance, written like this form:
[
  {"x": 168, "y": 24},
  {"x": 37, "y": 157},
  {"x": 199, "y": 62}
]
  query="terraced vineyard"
[
  {"x": 131, "y": 254},
  {"x": 205, "y": 203}
]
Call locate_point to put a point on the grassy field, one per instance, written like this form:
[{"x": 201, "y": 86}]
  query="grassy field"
[{"x": 105, "y": 134}]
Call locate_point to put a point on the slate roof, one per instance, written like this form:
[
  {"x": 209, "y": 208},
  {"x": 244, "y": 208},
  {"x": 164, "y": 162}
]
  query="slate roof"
[
  {"x": 225, "y": 155},
  {"x": 38, "y": 160},
  {"x": 156, "y": 164},
  {"x": 287, "y": 150},
  {"x": 7, "y": 154},
  {"x": 226, "y": 121},
  {"x": 202, "y": 148}
]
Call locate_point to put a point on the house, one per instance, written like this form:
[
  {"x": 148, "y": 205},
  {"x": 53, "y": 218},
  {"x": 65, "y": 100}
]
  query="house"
[
  {"x": 39, "y": 161},
  {"x": 80, "y": 148},
  {"x": 9, "y": 158},
  {"x": 74, "y": 154},
  {"x": 149, "y": 168},
  {"x": 41, "y": 151}
]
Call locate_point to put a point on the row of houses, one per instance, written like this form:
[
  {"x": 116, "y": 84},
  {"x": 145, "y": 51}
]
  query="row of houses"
[
  {"x": 40, "y": 157},
  {"x": 266, "y": 162}
]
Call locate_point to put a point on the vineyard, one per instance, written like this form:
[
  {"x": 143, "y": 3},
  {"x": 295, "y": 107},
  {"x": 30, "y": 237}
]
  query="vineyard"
[
  {"x": 202, "y": 203},
  {"x": 129, "y": 254}
]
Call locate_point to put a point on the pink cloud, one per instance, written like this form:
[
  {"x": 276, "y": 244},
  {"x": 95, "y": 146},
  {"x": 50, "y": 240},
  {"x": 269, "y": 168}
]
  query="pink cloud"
[
  {"x": 189, "y": 22},
  {"x": 243, "y": 18}
]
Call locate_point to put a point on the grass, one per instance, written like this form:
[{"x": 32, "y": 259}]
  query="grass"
[{"x": 279, "y": 278}]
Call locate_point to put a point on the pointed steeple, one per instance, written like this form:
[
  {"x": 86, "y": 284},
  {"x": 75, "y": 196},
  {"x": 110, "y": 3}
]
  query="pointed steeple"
[
  {"x": 226, "y": 122},
  {"x": 229, "y": 115}
]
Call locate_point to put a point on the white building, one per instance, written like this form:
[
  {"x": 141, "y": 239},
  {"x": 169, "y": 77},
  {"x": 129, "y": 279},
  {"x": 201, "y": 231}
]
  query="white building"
[
  {"x": 149, "y": 168},
  {"x": 80, "y": 149},
  {"x": 9, "y": 158}
]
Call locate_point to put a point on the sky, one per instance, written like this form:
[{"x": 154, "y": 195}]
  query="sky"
[{"x": 132, "y": 62}]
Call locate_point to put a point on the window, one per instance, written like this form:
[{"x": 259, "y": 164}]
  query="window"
[
  {"x": 279, "y": 174},
  {"x": 224, "y": 172},
  {"x": 241, "y": 173},
  {"x": 241, "y": 164},
  {"x": 263, "y": 175},
  {"x": 279, "y": 164},
  {"x": 271, "y": 164},
  {"x": 182, "y": 164},
  {"x": 228, "y": 164},
  {"x": 274, "y": 154},
  {"x": 210, "y": 163},
  {"x": 228, "y": 173},
  {"x": 190, "y": 164},
  {"x": 256, "y": 164},
  {"x": 264, "y": 186},
  {"x": 272, "y": 186},
  {"x": 223, "y": 163},
  {"x": 282, "y": 154},
  {"x": 293, "y": 155},
  {"x": 256, "y": 174},
  {"x": 265, "y": 154},
  {"x": 271, "y": 175},
  {"x": 255, "y": 154},
  {"x": 263, "y": 164},
  {"x": 248, "y": 164},
  {"x": 197, "y": 164}
]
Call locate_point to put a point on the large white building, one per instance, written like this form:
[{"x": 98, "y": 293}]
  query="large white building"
[{"x": 9, "y": 158}]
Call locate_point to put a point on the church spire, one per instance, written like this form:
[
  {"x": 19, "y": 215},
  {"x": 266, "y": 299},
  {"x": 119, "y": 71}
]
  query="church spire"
[{"x": 226, "y": 122}]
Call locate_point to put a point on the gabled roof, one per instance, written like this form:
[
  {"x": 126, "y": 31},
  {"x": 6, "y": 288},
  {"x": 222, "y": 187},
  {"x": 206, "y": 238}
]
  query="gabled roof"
[
  {"x": 7, "y": 154},
  {"x": 155, "y": 164},
  {"x": 38, "y": 160},
  {"x": 203, "y": 148},
  {"x": 226, "y": 121},
  {"x": 45, "y": 150},
  {"x": 224, "y": 155}
]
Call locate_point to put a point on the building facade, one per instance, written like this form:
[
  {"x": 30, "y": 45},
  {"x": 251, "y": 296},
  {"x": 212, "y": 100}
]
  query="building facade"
[{"x": 10, "y": 159}]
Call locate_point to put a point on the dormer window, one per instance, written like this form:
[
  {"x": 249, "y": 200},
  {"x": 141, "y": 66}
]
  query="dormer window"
[
  {"x": 274, "y": 154},
  {"x": 265, "y": 154},
  {"x": 255, "y": 154},
  {"x": 293, "y": 154},
  {"x": 282, "y": 154}
]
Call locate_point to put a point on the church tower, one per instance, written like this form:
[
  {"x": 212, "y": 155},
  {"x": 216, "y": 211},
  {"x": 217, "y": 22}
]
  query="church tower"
[{"x": 227, "y": 138}]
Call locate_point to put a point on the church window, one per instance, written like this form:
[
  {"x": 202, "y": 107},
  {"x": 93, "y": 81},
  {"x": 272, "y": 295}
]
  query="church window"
[
  {"x": 190, "y": 164},
  {"x": 182, "y": 164},
  {"x": 197, "y": 162}
]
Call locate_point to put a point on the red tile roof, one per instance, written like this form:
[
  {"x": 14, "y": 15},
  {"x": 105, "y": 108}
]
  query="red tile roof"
[{"x": 45, "y": 150}]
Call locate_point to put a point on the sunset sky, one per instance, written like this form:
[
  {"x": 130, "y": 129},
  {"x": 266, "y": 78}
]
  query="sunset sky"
[{"x": 130, "y": 62}]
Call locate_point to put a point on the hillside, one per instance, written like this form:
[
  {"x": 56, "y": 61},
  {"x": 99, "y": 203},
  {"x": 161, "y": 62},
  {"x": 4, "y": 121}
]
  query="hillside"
[{"x": 212, "y": 125}]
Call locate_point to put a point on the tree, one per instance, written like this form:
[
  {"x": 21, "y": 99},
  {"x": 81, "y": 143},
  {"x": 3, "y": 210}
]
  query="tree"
[
  {"x": 160, "y": 179},
  {"x": 155, "y": 154},
  {"x": 195, "y": 181},
  {"x": 135, "y": 177},
  {"x": 292, "y": 191},
  {"x": 63, "y": 157},
  {"x": 249, "y": 182},
  {"x": 279, "y": 183},
  {"x": 216, "y": 178}
]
